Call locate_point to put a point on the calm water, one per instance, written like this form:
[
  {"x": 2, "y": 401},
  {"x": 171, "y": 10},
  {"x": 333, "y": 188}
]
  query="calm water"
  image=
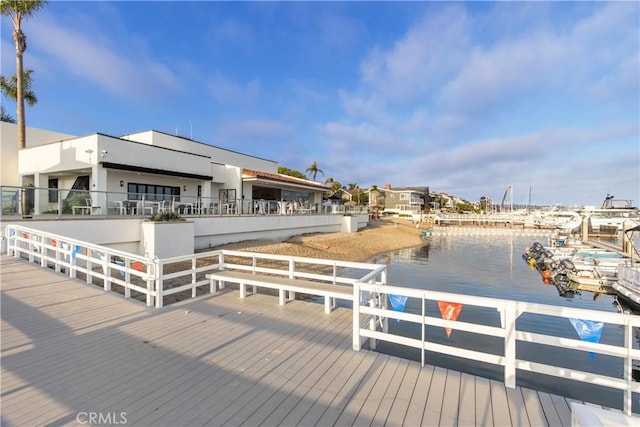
[{"x": 492, "y": 266}]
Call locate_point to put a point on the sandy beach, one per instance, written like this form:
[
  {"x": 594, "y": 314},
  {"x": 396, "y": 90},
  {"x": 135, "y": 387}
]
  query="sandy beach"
[{"x": 380, "y": 236}]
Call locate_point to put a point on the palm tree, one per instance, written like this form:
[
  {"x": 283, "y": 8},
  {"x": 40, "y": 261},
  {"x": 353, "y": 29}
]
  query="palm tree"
[
  {"x": 4, "y": 117},
  {"x": 18, "y": 10},
  {"x": 335, "y": 185},
  {"x": 9, "y": 87},
  {"x": 313, "y": 170}
]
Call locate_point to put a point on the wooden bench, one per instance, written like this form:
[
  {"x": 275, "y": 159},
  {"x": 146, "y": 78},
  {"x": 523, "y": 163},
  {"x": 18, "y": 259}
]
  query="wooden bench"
[{"x": 329, "y": 291}]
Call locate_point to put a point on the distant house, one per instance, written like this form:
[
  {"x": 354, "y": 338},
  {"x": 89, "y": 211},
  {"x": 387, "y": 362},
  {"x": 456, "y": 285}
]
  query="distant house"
[{"x": 399, "y": 199}]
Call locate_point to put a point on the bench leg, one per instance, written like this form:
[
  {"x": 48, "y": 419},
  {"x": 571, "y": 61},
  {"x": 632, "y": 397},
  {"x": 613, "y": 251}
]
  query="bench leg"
[
  {"x": 213, "y": 286},
  {"x": 243, "y": 290},
  {"x": 292, "y": 296},
  {"x": 255, "y": 289},
  {"x": 281, "y": 296},
  {"x": 327, "y": 305}
]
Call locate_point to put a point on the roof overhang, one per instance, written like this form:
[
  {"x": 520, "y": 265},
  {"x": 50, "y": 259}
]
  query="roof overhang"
[
  {"x": 281, "y": 180},
  {"x": 141, "y": 169}
]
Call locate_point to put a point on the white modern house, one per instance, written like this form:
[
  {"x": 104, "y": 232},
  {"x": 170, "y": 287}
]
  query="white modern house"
[
  {"x": 149, "y": 165},
  {"x": 110, "y": 185}
]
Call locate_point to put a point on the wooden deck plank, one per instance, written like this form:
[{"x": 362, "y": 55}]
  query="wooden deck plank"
[
  {"x": 433, "y": 407},
  {"x": 389, "y": 399},
  {"x": 534, "y": 407},
  {"x": 498, "y": 407},
  {"x": 517, "y": 407},
  {"x": 419, "y": 396},
  {"x": 302, "y": 399},
  {"x": 368, "y": 365},
  {"x": 375, "y": 396},
  {"x": 303, "y": 362},
  {"x": 451, "y": 399},
  {"x": 319, "y": 394},
  {"x": 116, "y": 383},
  {"x": 294, "y": 391},
  {"x": 361, "y": 393},
  {"x": 346, "y": 372},
  {"x": 68, "y": 362},
  {"x": 484, "y": 410},
  {"x": 401, "y": 403},
  {"x": 562, "y": 408},
  {"x": 467, "y": 400},
  {"x": 549, "y": 409},
  {"x": 266, "y": 353},
  {"x": 195, "y": 376}
]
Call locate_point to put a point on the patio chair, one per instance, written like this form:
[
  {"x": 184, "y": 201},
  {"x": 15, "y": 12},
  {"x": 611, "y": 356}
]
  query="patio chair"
[{"x": 165, "y": 206}]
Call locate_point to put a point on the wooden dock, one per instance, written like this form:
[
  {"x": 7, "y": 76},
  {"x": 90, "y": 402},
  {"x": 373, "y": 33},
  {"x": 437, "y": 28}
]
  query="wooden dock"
[{"x": 70, "y": 352}]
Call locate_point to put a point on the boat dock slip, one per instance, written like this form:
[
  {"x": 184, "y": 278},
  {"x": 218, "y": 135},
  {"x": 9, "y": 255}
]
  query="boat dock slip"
[{"x": 72, "y": 351}]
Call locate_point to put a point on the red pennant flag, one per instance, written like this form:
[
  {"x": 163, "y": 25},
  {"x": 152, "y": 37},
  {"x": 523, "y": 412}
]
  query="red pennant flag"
[
  {"x": 137, "y": 265},
  {"x": 449, "y": 311}
]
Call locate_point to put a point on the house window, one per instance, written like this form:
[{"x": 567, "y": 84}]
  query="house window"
[
  {"x": 53, "y": 194},
  {"x": 227, "y": 195},
  {"x": 404, "y": 196},
  {"x": 152, "y": 192}
]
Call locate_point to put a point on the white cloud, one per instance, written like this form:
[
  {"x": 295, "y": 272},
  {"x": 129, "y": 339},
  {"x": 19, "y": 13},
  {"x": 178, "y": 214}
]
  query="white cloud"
[
  {"x": 135, "y": 78},
  {"x": 422, "y": 59}
]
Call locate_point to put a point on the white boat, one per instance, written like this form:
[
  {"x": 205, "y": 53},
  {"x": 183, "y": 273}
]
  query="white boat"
[
  {"x": 612, "y": 213},
  {"x": 593, "y": 277},
  {"x": 628, "y": 286}
]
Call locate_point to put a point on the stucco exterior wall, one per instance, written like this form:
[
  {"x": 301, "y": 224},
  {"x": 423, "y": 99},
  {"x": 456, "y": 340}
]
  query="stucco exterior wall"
[{"x": 9, "y": 148}]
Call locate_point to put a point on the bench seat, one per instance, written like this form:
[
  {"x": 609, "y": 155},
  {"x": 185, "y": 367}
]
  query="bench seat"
[{"x": 329, "y": 291}]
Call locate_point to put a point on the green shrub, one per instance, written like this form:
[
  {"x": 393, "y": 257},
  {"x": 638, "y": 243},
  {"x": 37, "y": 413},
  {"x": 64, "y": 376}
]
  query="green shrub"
[
  {"x": 77, "y": 199},
  {"x": 167, "y": 216}
]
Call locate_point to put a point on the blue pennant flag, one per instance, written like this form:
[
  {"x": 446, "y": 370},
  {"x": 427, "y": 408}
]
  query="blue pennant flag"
[
  {"x": 588, "y": 330},
  {"x": 121, "y": 264},
  {"x": 398, "y": 302},
  {"x": 75, "y": 251}
]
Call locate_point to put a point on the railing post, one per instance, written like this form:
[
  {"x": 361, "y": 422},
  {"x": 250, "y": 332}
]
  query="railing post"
[
  {"x": 356, "y": 316},
  {"x": 628, "y": 368},
  {"x": 107, "y": 271},
  {"x": 194, "y": 265},
  {"x": 510, "y": 317},
  {"x": 89, "y": 254},
  {"x": 159, "y": 284},
  {"x": 373, "y": 302},
  {"x": 43, "y": 253},
  {"x": 127, "y": 279},
  {"x": 72, "y": 262}
]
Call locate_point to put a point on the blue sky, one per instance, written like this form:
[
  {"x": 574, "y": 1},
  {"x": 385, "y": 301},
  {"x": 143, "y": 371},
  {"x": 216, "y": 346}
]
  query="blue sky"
[{"x": 466, "y": 98}]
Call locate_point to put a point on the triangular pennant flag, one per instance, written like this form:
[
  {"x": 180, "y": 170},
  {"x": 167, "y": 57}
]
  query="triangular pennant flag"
[
  {"x": 449, "y": 311},
  {"x": 121, "y": 264},
  {"x": 54, "y": 243},
  {"x": 75, "y": 251},
  {"x": 588, "y": 330},
  {"x": 398, "y": 302},
  {"x": 137, "y": 265}
]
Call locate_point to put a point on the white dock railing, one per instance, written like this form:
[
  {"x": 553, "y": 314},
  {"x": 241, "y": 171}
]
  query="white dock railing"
[
  {"x": 371, "y": 322},
  {"x": 159, "y": 279},
  {"x": 156, "y": 279}
]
